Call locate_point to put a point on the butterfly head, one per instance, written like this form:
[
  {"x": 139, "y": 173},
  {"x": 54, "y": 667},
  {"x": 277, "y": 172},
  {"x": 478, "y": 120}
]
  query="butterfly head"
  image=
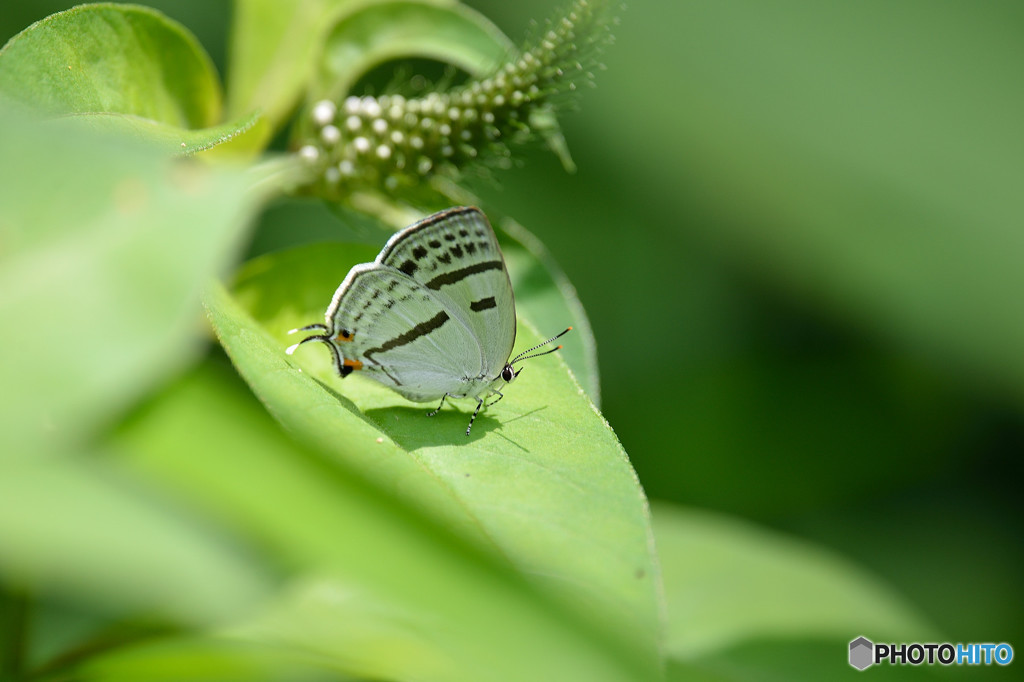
[{"x": 508, "y": 372}]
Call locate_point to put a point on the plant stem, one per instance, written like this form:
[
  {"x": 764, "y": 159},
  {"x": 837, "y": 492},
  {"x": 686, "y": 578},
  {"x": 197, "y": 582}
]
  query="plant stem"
[{"x": 278, "y": 175}]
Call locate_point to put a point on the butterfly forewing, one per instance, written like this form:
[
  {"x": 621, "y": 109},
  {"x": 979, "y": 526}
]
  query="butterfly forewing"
[{"x": 455, "y": 256}]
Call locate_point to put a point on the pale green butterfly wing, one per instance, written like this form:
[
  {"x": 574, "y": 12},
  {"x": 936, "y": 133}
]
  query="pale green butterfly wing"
[
  {"x": 398, "y": 332},
  {"x": 455, "y": 255}
]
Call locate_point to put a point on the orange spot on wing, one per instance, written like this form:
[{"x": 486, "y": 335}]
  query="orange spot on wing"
[
  {"x": 344, "y": 335},
  {"x": 354, "y": 364}
]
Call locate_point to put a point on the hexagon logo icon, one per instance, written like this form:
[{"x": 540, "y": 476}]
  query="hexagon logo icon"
[{"x": 861, "y": 653}]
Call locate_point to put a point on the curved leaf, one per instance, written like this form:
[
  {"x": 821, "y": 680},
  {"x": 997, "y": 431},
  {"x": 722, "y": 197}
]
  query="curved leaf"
[
  {"x": 123, "y": 68},
  {"x": 728, "y": 583},
  {"x": 168, "y": 138},
  {"x": 101, "y": 287},
  {"x": 109, "y": 58},
  {"x": 452, "y": 34},
  {"x": 376, "y": 586},
  {"x": 542, "y": 475}
]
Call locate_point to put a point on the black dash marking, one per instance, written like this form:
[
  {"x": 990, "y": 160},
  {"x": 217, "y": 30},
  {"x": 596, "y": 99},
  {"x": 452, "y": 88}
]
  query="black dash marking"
[
  {"x": 463, "y": 233},
  {"x": 445, "y": 258},
  {"x": 389, "y": 304},
  {"x": 408, "y": 267},
  {"x": 462, "y": 273},
  {"x": 419, "y": 252},
  {"x": 434, "y": 244},
  {"x": 483, "y": 304},
  {"x": 449, "y": 237},
  {"x": 470, "y": 248},
  {"x": 481, "y": 233},
  {"x": 375, "y": 294},
  {"x": 392, "y": 284},
  {"x": 485, "y": 245},
  {"x": 422, "y": 329},
  {"x": 456, "y": 251}
]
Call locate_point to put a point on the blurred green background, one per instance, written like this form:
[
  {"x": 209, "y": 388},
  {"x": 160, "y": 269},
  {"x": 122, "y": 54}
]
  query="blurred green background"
[{"x": 797, "y": 229}]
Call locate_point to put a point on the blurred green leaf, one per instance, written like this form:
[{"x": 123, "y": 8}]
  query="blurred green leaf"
[
  {"x": 436, "y": 607},
  {"x": 547, "y": 300},
  {"x": 113, "y": 59},
  {"x": 868, "y": 164},
  {"x": 803, "y": 659},
  {"x": 168, "y": 138},
  {"x": 210, "y": 658},
  {"x": 728, "y": 583},
  {"x": 273, "y": 48},
  {"x": 542, "y": 475},
  {"x": 101, "y": 268},
  {"x": 80, "y": 528}
]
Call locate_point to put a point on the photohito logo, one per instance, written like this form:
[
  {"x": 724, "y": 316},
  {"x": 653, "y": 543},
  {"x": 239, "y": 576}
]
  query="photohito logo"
[{"x": 865, "y": 653}]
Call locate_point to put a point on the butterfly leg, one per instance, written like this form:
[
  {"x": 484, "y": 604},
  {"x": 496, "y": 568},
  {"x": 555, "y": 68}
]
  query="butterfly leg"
[
  {"x": 443, "y": 398},
  {"x": 500, "y": 396},
  {"x": 479, "y": 405}
]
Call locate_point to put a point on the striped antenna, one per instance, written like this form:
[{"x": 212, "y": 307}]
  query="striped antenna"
[{"x": 525, "y": 355}]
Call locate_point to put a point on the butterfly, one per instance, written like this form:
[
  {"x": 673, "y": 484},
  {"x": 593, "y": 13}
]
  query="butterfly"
[{"x": 432, "y": 317}]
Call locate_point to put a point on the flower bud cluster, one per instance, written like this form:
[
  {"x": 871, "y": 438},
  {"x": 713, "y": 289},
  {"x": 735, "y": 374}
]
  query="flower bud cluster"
[{"x": 392, "y": 142}]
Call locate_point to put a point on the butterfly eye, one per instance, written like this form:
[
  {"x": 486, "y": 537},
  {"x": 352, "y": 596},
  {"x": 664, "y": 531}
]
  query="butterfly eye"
[{"x": 507, "y": 374}]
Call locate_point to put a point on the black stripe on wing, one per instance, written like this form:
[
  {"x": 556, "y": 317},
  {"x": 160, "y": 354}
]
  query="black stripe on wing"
[
  {"x": 483, "y": 304},
  {"x": 422, "y": 329},
  {"x": 453, "y": 276}
]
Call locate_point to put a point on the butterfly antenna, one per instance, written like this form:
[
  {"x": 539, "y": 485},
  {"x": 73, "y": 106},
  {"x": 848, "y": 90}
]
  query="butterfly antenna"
[
  {"x": 525, "y": 355},
  {"x": 310, "y": 327},
  {"x": 315, "y": 337}
]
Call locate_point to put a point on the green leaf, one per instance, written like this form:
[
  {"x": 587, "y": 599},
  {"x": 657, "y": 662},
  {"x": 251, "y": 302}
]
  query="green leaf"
[
  {"x": 81, "y": 528},
  {"x": 376, "y": 586},
  {"x": 168, "y": 138},
  {"x": 207, "y": 658},
  {"x": 120, "y": 67},
  {"x": 449, "y": 33},
  {"x": 728, "y": 583},
  {"x": 109, "y": 58},
  {"x": 105, "y": 249},
  {"x": 542, "y": 475}
]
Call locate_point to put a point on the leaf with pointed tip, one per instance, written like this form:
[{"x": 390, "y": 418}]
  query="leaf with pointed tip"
[
  {"x": 729, "y": 584},
  {"x": 542, "y": 474}
]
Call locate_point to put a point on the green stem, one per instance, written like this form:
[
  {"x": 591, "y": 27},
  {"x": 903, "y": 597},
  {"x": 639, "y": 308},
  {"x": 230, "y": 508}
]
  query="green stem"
[
  {"x": 14, "y": 624},
  {"x": 278, "y": 175}
]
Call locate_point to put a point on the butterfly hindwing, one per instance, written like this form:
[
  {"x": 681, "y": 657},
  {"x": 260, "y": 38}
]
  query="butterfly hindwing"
[
  {"x": 455, "y": 256},
  {"x": 394, "y": 329}
]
